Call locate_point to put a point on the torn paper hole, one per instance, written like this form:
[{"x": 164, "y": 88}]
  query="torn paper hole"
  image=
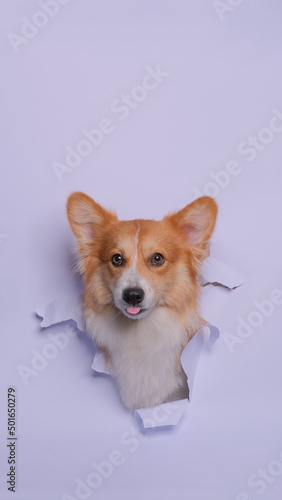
[{"x": 167, "y": 414}]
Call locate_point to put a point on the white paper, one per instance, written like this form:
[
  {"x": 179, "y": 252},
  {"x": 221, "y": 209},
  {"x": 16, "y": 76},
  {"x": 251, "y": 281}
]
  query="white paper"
[{"x": 168, "y": 414}]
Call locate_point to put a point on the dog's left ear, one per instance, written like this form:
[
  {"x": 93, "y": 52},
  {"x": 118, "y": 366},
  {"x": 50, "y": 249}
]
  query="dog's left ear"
[{"x": 197, "y": 222}]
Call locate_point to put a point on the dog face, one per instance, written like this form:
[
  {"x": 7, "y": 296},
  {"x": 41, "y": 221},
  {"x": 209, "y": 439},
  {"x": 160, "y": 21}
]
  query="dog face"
[{"x": 136, "y": 266}]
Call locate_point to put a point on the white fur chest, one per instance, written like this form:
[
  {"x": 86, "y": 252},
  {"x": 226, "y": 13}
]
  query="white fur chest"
[{"x": 145, "y": 355}]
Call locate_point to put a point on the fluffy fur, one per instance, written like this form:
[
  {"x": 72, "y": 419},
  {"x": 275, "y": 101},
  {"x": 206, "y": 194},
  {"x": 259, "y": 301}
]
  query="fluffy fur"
[{"x": 142, "y": 337}]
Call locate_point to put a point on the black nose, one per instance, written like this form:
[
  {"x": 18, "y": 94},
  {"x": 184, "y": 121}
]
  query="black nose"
[{"x": 133, "y": 295}]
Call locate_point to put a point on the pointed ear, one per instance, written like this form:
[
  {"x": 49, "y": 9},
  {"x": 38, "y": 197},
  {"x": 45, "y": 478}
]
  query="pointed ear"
[
  {"x": 197, "y": 222},
  {"x": 85, "y": 216}
]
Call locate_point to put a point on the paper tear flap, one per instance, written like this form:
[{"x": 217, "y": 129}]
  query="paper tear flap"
[{"x": 168, "y": 414}]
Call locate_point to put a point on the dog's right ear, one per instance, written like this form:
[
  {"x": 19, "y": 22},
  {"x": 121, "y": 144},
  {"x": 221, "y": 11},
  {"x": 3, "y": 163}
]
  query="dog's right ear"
[
  {"x": 85, "y": 217},
  {"x": 196, "y": 222}
]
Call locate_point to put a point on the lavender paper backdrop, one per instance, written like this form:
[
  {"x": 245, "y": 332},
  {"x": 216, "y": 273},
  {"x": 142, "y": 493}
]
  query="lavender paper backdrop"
[{"x": 182, "y": 98}]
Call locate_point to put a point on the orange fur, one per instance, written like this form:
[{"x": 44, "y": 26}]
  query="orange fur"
[{"x": 181, "y": 237}]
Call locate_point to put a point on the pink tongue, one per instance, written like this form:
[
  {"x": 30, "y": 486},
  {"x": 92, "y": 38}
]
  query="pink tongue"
[{"x": 133, "y": 310}]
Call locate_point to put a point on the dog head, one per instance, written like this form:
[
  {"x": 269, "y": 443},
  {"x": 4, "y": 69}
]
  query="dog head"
[{"x": 136, "y": 266}]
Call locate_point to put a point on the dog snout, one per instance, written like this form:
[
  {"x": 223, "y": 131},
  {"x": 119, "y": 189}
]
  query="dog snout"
[{"x": 133, "y": 296}]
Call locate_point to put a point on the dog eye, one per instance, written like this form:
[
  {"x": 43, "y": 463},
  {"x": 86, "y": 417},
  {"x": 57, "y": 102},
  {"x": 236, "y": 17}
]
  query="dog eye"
[
  {"x": 157, "y": 259},
  {"x": 117, "y": 259}
]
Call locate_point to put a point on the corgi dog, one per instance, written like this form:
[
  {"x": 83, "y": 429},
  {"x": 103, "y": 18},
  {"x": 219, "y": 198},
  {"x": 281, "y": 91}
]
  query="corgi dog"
[{"x": 141, "y": 298}]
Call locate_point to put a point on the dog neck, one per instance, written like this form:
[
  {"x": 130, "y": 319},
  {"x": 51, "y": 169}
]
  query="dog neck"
[{"x": 143, "y": 355}]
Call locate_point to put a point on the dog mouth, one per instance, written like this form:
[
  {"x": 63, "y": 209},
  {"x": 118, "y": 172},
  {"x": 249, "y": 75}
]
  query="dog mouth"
[{"x": 133, "y": 310}]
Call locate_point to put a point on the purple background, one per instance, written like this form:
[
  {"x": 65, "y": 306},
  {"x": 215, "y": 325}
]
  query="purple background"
[{"x": 224, "y": 82}]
